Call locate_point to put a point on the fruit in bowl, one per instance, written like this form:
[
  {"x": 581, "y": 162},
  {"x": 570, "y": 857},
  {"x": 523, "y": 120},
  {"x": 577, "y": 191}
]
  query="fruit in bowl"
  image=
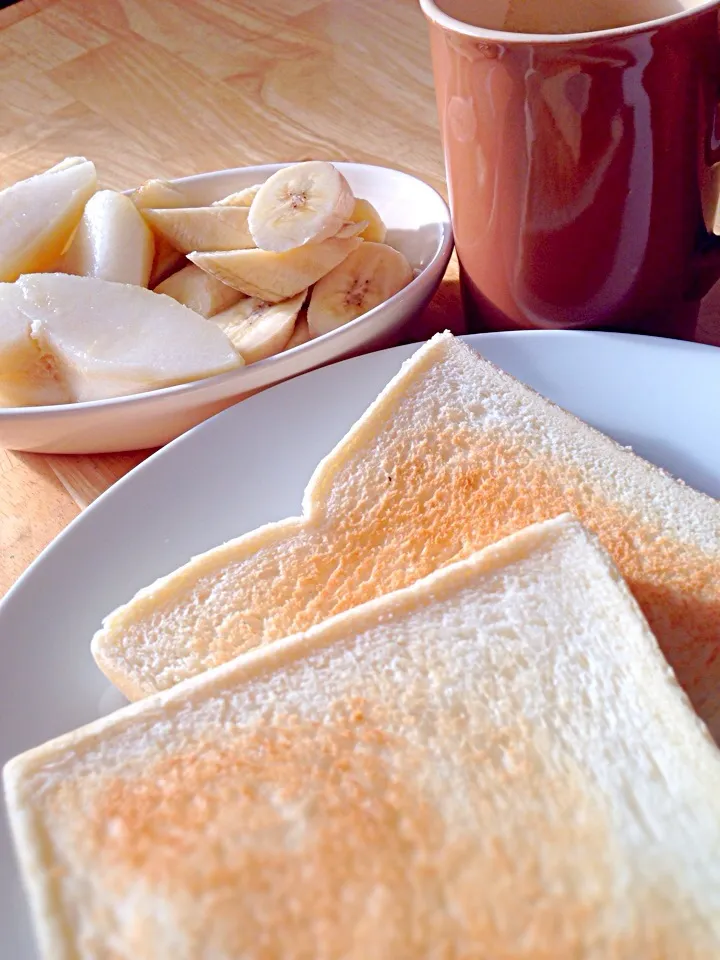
[
  {"x": 107, "y": 295},
  {"x": 409, "y": 215}
]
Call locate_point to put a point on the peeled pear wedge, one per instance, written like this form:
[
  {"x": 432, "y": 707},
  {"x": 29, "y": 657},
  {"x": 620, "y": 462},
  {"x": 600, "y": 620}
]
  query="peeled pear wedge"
[
  {"x": 112, "y": 242},
  {"x": 374, "y": 229},
  {"x": 300, "y": 335},
  {"x": 38, "y": 216},
  {"x": 202, "y": 228},
  {"x": 67, "y": 162},
  {"x": 199, "y": 291},
  {"x": 243, "y": 198},
  {"x": 257, "y": 329},
  {"x": 28, "y": 375},
  {"x": 274, "y": 276},
  {"x": 370, "y": 275},
  {"x": 114, "y": 339}
]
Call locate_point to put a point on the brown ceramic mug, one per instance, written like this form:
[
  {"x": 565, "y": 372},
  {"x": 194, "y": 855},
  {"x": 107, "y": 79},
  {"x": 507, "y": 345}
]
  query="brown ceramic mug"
[{"x": 579, "y": 159}]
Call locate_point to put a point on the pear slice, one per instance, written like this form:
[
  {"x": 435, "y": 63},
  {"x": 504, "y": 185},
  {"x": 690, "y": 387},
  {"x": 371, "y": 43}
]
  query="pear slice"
[
  {"x": 243, "y": 198},
  {"x": 257, "y": 329},
  {"x": 202, "y": 228},
  {"x": 114, "y": 339},
  {"x": 28, "y": 376},
  {"x": 161, "y": 193},
  {"x": 67, "y": 162},
  {"x": 199, "y": 291},
  {"x": 272, "y": 276},
  {"x": 38, "y": 216},
  {"x": 112, "y": 242},
  {"x": 301, "y": 333}
]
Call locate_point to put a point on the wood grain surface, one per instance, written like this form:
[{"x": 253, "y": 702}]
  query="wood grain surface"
[{"x": 175, "y": 87}]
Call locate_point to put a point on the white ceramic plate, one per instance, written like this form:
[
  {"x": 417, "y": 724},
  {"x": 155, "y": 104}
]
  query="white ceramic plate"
[
  {"x": 418, "y": 223},
  {"x": 250, "y": 464}
]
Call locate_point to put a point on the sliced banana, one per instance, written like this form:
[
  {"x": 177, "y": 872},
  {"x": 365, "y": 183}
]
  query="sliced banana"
[
  {"x": 159, "y": 193},
  {"x": 351, "y": 229},
  {"x": 365, "y": 279},
  {"x": 276, "y": 276},
  {"x": 304, "y": 203},
  {"x": 374, "y": 230},
  {"x": 154, "y": 194},
  {"x": 257, "y": 329},
  {"x": 198, "y": 290},
  {"x": 301, "y": 333},
  {"x": 243, "y": 198},
  {"x": 202, "y": 228},
  {"x": 167, "y": 261}
]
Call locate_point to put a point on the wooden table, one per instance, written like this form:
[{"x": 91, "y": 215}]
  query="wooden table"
[{"x": 174, "y": 87}]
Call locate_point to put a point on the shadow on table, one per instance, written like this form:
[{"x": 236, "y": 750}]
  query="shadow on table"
[{"x": 444, "y": 312}]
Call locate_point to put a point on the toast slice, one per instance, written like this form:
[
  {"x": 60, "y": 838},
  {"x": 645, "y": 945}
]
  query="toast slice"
[
  {"x": 494, "y": 762},
  {"x": 453, "y": 455}
]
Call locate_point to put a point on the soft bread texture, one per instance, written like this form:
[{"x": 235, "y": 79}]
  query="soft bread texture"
[
  {"x": 494, "y": 762},
  {"x": 453, "y": 455}
]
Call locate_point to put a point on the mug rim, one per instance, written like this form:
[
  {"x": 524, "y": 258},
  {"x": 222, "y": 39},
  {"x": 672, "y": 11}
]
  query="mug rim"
[{"x": 433, "y": 13}]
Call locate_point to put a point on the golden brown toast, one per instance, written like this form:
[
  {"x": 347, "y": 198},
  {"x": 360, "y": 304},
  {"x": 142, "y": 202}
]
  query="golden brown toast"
[
  {"x": 453, "y": 455},
  {"x": 494, "y": 762}
]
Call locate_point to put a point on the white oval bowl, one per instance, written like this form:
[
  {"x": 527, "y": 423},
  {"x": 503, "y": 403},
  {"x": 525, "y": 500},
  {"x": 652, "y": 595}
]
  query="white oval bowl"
[{"x": 418, "y": 222}]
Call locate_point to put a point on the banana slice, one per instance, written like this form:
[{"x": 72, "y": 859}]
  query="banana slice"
[
  {"x": 301, "y": 333},
  {"x": 167, "y": 261},
  {"x": 243, "y": 198},
  {"x": 154, "y": 194},
  {"x": 276, "y": 276},
  {"x": 158, "y": 193},
  {"x": 198, "y": 290},
  {"x": 304, "y": 203},
  {"x": 257, "y": 329},
  {"x": 202, "y": 228},
  {"x": 375, "y": 230},
  {"x": 366, "y": 278},
  {"x": 352, "y": 229}
]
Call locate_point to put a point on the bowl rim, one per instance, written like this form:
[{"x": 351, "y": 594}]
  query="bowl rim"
[{"x": 441, "y": 254}]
